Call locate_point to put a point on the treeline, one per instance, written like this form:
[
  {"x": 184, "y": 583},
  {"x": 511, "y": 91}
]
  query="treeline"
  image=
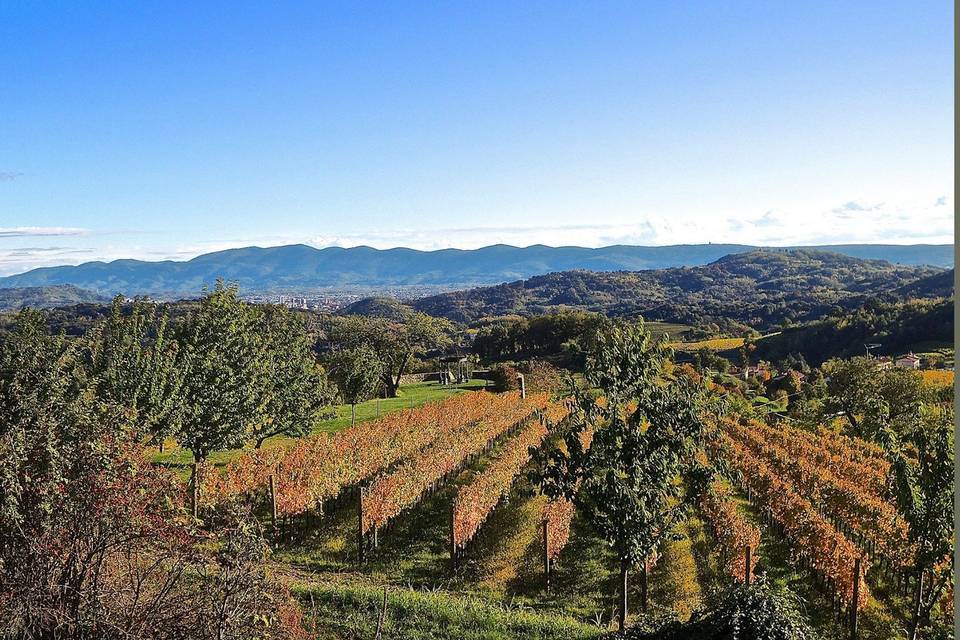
[
  {"x": 563, "y": 337},
  {"x": 222, "y": 375},
  {"x": 13, "y": 299},
  {"x": 896, "y": 327}
]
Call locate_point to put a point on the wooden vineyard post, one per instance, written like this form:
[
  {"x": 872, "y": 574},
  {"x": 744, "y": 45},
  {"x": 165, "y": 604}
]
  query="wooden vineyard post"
[
  {"x": 360, "y": 526},
  {"x": 546, "y": 552},
  {"x": 453, "y": 540},
  {"x": 746, "y": 573},
  {"x": 273, "y": 504},
  {"x": 854, "y": 606},
  {"x": 523, "y": 386}
]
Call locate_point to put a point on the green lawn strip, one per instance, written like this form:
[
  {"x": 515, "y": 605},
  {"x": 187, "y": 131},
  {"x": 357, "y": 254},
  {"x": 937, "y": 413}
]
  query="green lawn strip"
[
  {"x": 412, "y": 395},
  {"x": 585, "y": 576},
  {"x": 506, "y": 554},
  {"x": 710, "y": 572},
  {"x": 670, "y": 329},
  {"x": 350, "y": 609},
  {"x": 674, "y": 589}
]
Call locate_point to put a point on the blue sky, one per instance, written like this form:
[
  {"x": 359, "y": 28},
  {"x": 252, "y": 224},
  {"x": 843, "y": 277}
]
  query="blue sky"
[{"x": 153, "y": 130}]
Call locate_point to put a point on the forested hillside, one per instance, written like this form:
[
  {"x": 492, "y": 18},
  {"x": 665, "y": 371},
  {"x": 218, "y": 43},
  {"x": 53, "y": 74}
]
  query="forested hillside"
[
  {"x": 377, "y": 307},
  {"x": 896, "y": 328},
  {"x": 46, "y": 297},
  {"x": 761, "y": 289}
]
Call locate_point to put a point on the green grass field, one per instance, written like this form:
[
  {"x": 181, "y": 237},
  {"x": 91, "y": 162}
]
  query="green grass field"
[{"x": 672, "y": 330}]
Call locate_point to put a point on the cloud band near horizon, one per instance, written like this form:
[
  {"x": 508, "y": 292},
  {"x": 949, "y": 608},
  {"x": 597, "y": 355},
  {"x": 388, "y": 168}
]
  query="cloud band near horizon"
[{"x": 854, "y": 222}]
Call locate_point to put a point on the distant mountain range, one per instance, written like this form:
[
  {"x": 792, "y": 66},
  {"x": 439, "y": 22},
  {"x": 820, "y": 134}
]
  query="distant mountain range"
[
  {"x": 762, "y": 289},
  {"x": 300, "y": 267}
]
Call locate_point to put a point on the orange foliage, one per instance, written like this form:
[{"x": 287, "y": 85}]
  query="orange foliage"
[
  {"x": 317, "y": 467},
  {"x": 937, "y": 377},
  {"x": 558, "y": 513},
  {"x": 475, "y": 501},
  {"x": 731, "y": 530},
  {"x": 867, "y": 514},
  {"x": 392, "y": 493},
  {"x": 812, "y": 536}
]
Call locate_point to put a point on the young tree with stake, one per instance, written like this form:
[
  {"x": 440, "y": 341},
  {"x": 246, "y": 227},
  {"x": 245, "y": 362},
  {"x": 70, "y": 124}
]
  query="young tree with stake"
[{"x": 357, "y": 373}]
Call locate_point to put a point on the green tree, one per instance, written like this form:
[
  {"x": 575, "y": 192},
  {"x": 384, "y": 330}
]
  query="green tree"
[
  {"x": 924, "y": 490},
  {"x": 86, "y": 520},
  {"x": 134, "y": 361},
  {"x": 225, "y": 372},
  {"x": 358, "y": 373},
  {"x": 640, "y": 475},
  {"x": 395, "y": 343},
  {"x": 294, "y": 389},
  {"x": 872, "y": 399},
  {"x": 42, "y": 401}
]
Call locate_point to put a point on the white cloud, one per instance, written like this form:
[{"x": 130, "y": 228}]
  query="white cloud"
[
  {"x": 853, "y": 222},
  {"x": 22, "y": 259},
  {"x": 29, "y": 232},
  {"x": 928, "y": 220}
]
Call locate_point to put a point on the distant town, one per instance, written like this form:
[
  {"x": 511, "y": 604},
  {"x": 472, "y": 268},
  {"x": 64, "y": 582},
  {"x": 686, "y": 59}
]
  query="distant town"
[{"x": 333, "y": 299}]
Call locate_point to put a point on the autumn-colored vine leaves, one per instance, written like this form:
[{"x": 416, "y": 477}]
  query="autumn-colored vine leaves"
[
  {"x": 475, "y": 501},
  {"x": 318, "y": 467},
  {"x": 807, "y": 483},
  {"x": 731, "y": 529},
  {"x": 793, "y": 488},
  {"x": 390, "y": 494}
]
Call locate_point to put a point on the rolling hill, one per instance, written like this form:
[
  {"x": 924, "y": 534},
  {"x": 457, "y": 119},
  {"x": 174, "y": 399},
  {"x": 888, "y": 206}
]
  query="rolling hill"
[
  {"x": 377, "y": 307},
  {"x": 13, "y": 299},
  {"x": 762, "y": 289},
  {"x": 300, "y": 267}
]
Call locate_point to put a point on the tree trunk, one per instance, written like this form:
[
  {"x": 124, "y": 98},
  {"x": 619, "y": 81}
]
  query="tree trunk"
[
  {"x": 390, "y": 385},
  {"x": 643, "y": 587},
  {"x": 917, "y": 604},
  {"x": 161, "y": 444},
  {"x": 353, "y": 415},
  {"x": 622, "y": 622},
  {"x": 195, "y": 489},
  {"x": 393, "y": 381}
]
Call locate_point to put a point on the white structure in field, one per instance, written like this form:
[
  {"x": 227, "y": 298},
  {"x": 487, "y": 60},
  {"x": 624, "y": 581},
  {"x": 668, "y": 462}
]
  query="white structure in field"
[{"x": 909, "y": 361}]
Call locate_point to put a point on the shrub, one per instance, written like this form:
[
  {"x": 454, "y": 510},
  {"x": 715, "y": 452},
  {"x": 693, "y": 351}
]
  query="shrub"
[
  {"x": 757, "y": 612},
  {"x": 504, "y": 378},
  {"x": 542, "y": 377}
]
